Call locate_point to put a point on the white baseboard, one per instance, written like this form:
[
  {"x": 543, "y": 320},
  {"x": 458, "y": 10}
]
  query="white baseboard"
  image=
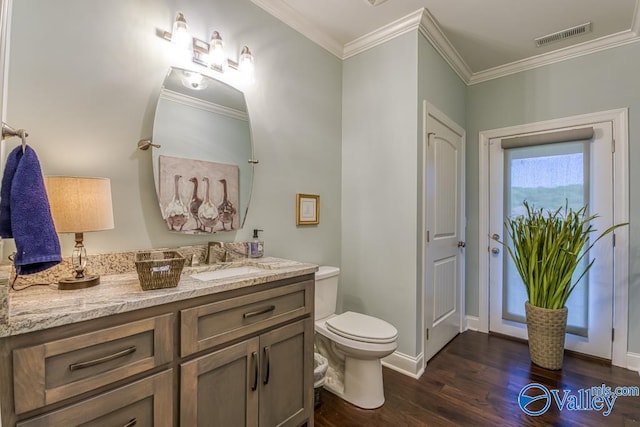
[
  {"x": 407, "y": 365},
  {"x": 633, "y": 362},
  {"x": 473, "y": 323}
]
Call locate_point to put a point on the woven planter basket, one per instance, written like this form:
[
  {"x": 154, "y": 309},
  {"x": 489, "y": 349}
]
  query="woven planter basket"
[{"x": 546, "y": 329}]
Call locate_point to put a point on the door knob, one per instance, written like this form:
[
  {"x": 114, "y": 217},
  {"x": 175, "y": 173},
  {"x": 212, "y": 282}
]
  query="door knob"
[
  {"x": 461, "y": 244},
  {"x": 495, "y": 251},
  {"x": 495, "y": 236}
]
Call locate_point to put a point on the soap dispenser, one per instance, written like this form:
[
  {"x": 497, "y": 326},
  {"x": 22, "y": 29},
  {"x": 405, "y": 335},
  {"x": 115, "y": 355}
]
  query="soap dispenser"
[{"x": 256, "y": 246}]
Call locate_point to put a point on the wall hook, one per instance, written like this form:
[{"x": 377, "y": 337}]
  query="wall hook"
[
  {"x": 144, "y": 144},
  {"x": 8, "y": 132}
]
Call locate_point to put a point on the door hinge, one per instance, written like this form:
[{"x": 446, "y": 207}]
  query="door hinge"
[
  {"x": 427, "y": 334},
  {"x": 428, "y": 237},
  {"x": 613, "y": 145},
  {"x": 614, "y": 240},
  {"x": 613, "y": 334}
]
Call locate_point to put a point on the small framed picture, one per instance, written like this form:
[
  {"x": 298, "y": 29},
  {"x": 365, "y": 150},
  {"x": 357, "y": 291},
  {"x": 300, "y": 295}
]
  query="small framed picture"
[{"x": 307, "y": 209}]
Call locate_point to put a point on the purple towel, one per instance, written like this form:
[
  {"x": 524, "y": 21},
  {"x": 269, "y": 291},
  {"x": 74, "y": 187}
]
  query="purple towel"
[{"x": 25, "y": 214}]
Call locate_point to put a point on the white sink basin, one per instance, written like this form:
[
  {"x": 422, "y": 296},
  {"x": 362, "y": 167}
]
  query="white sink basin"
[{"x": 226, "y": 273}]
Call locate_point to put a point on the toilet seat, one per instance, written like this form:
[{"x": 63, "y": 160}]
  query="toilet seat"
[{"x": 363, "y": 328}]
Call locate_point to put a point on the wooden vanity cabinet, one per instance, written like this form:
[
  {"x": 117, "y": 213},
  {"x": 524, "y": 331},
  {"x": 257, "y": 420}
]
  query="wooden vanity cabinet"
[{"x": 237, "y": 358}]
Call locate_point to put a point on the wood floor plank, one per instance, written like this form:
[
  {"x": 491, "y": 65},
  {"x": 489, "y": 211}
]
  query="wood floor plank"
[{"x": 475, "y": 381}]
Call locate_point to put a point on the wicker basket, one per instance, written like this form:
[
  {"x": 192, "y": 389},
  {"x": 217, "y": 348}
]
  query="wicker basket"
[
  {"x": 159, "y": 269},
  {"x": 546, "y": 329}
]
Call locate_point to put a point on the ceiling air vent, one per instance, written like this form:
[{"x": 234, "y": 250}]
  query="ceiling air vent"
[{"x": 564, "y": 34}]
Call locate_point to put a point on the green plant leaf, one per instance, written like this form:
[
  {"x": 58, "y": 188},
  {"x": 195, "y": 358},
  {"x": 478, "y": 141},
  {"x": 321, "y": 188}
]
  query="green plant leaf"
[{"x": 547, "y": 248}]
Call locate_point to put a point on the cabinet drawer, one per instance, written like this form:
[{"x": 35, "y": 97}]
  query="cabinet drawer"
[
  {"x": 148, "y": 402},
  {"x": 209, "y": 325},
  {"x": 56, "y": 370}
]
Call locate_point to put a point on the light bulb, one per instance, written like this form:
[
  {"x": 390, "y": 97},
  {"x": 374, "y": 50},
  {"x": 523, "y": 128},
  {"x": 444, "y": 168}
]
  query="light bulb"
[
  {"x": 180, "y": 34},
  {"x": 216, "y": 51},
  {"x": 246, "y": 65}
]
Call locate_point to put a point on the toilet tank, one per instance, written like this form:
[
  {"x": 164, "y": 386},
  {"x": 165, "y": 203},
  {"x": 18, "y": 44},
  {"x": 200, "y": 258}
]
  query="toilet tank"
[{"x": 326, "y": 291}]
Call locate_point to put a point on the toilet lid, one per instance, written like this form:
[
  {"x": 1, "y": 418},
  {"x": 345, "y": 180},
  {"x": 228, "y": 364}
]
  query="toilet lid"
[{"x": 361, "y": 327}]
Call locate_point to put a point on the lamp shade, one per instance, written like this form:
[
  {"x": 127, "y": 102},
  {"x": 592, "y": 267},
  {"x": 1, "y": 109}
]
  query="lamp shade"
[{"x": 80, "y": 204}]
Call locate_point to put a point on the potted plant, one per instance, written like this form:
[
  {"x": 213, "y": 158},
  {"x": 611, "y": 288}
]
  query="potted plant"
[{"x": 547, "y": 247}]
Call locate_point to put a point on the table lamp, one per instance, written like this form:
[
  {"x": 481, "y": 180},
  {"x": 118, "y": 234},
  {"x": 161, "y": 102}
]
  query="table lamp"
[{"x": 79, "y": 204}]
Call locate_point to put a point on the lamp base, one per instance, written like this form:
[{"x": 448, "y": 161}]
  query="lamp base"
[{"x": 72, "y": 283}]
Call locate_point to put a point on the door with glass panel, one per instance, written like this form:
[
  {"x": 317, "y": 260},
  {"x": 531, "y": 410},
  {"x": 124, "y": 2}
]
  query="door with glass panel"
[{"x": 549, "y": 174}]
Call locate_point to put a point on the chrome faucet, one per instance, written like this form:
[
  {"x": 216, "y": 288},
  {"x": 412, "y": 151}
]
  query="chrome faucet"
[{"x": 226, "y": 252}]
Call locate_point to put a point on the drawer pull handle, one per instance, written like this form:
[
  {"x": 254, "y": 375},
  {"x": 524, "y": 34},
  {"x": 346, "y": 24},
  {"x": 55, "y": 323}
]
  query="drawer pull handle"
[
  {"x": 131, "y": 423},
  {"x": 268, "y": 363},
  {"x": 88, "y": 364},
  {"x": 259, "y": 312},
  {"x": 254, "y": 360}
]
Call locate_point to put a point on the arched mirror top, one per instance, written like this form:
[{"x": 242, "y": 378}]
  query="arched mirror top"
[{"x": 203, "y": 169}]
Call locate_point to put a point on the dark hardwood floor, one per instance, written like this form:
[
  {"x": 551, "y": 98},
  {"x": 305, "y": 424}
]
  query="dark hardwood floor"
[{"x": 475, "y": 381}]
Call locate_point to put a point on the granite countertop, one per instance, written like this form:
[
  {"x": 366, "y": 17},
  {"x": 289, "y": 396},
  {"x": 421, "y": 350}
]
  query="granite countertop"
[{"x": 43, "y": 307}]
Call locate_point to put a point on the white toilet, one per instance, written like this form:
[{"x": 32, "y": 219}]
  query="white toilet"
[{"x": 353, "y": 343}]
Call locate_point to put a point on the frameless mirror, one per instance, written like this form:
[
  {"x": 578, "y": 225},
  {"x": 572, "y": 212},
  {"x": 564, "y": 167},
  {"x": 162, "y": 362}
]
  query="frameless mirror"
[{"x": 203, "y": 169}]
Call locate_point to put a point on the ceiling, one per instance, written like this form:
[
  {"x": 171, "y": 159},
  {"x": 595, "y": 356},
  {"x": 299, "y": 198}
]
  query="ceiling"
[{"x": 480, "y": 39}]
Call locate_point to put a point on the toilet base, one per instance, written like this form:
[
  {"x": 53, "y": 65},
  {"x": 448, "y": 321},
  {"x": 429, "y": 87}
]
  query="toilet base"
[{"x": 362, "y": 383}]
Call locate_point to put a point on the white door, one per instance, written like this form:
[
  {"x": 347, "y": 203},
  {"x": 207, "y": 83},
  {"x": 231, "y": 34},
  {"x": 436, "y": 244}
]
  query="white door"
[
  {"x": 548, "y": 176},
  {"x": 444, "y": 230}
]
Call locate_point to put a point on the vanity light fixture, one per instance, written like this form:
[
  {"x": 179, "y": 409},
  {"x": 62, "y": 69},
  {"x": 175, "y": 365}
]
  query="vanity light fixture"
[{"x": 210, "y": 55}]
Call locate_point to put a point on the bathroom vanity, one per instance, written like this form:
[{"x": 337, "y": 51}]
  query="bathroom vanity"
[{"x": 227, "y": 351}]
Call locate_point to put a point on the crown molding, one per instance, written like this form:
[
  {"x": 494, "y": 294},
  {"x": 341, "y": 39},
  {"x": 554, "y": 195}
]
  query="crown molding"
[
  {"x": 287, "y": 15},
  {"x": 383, "y": 34},
  {"x": 428, "y": 26},
  {"x": 431, "y": 30},
  {"x": 586, "y": 48}
]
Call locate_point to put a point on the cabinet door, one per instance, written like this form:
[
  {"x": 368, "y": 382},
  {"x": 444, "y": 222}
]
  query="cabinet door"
[
  {"x": 221, "y": 388},
  {"x": 286, "y": 383}
]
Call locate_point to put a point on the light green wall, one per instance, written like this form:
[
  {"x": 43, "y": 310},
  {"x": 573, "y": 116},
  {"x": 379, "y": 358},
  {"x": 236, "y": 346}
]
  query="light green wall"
[
  {"x": 383, "y": 89},
  {"x": 439, "y": 84},
  {"x": 380, "y": 118},
  {"x": 84, "y": 79},
  {"x": 596, "y": 82}
]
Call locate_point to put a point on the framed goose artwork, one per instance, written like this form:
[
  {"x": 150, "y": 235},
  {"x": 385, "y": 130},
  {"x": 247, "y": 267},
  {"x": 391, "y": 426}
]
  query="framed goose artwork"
[{"x": 197, "y": 196}]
